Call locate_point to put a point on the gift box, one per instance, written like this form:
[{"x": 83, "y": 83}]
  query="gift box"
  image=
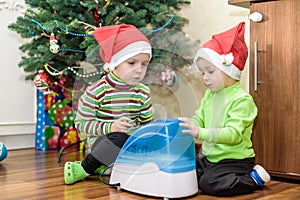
[
  {"x": 52, "y": 135},
  {"x": 49, "y": 100},
  {"x": 70, "y": 136},
  {"x": 42, "y": 121},
  {"x": 62, "y": 114},
  {"x": 54, "y": 124}
]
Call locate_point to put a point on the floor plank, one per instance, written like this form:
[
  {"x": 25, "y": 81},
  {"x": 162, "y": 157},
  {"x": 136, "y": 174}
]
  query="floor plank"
[{"x": 35, "y": 175}]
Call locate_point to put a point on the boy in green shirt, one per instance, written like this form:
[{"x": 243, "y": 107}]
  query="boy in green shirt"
[{"x": 225, "y": 119}]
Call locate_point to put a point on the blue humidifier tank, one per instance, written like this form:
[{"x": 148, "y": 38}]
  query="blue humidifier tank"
[{"x": 157, "y": 160}]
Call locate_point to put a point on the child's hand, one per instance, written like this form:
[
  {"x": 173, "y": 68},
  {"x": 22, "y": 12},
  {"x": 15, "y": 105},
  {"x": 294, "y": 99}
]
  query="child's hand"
[
  {"x": 121, "y": 125},
  {"x": 192, "y": 128}
]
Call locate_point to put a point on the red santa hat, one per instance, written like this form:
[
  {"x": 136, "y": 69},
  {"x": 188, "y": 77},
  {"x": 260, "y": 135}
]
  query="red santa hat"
[
  {"x": 119, "y": 43},
  {"x": 227, "y": 51}
]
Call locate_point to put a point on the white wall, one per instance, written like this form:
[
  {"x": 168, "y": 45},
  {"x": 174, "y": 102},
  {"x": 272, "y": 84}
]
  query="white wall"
[
  {"x": 215, "y": 16},
  {"x": 17, "y": 107}
]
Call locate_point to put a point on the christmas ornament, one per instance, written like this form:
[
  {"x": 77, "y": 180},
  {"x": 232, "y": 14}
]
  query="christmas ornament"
[
  {"x": 97, "y": 16},
  {"x": 167, "y": 78},
  {"x": 97, "y": 13},
  {"x": 42, "y": 81},
  {"x": 3, "y": 151},
  {"x": 61, "y": 29},
  {"x": 89, "y": 70},
  {"x": 54, "y": 47}
]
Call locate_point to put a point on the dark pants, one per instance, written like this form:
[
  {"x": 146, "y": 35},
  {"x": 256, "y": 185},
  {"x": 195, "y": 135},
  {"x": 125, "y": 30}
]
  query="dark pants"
[
  {"x": 225, "y": 178},
  {"x": 104, "y": 151}
]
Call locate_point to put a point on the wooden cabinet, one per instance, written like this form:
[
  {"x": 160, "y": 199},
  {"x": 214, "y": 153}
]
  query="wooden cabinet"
[
  {"x": 275, "y": 86},
  {"x": 243, "y": 3}
]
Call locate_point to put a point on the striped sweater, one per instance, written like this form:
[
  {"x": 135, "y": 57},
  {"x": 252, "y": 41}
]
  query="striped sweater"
[{"x": 107, "y": 100}]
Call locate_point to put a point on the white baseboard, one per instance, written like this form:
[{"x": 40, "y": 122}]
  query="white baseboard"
[{"x": 17, "y": 135}]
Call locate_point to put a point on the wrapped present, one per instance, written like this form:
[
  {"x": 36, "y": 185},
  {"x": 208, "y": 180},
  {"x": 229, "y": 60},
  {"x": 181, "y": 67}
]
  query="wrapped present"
[
  {"x": 62, "y": 114},
  {"x": 52, "y": 134},
  {"x": 54, "y": 124},
  {"x": 42, "y": 121},
  {"x": 69, "y": 137},
  {"x": 49, "y": 100}
]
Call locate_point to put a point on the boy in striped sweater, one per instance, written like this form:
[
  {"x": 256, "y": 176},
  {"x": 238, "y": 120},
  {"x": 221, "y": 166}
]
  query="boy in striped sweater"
[{"x": 115, "y": 104}]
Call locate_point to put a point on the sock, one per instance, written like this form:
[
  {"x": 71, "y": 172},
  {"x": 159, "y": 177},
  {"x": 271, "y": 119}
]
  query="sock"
[
  {"x": 90, "y": 164},
  {"x": 86, "y": 174},
  {"x": 260, "y": 175}
]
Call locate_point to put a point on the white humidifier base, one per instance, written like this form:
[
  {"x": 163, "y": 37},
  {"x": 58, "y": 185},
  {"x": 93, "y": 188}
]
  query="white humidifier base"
[{"x": 147, "y": 179}]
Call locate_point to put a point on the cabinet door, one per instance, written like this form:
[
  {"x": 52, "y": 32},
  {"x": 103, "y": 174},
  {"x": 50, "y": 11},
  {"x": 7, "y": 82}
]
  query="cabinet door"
[{"x": 276, "y": 136}]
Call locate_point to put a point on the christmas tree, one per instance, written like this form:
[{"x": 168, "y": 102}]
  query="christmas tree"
[
  {"x": 62, "y": 45},
  {"x": 62, "y": 57}
]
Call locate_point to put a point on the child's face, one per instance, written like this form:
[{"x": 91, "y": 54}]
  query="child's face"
[
  {"x": 133, "y": 70},
  {"x": 212, "y": 76}
]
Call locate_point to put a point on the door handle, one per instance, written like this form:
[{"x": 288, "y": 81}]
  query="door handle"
[{"x": 255, "y": 67}]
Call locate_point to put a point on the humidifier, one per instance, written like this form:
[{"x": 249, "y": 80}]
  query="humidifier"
[{"x": 157, "y": 160}]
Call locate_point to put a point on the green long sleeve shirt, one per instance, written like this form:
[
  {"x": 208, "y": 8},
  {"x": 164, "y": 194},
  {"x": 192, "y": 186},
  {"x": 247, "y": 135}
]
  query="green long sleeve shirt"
[{"x": 226, "y": 120}]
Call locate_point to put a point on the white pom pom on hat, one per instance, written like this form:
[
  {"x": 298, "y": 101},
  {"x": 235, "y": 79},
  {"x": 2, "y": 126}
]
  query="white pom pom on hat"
[
  {"x": 227, "y": 51},
  {"x": 119, "y": 43}
]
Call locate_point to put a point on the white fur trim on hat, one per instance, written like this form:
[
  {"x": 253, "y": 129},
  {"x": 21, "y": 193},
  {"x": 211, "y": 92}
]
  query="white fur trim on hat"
[
  {"x": 218, "y": 61},
  {"x": 128, "y": 52}
]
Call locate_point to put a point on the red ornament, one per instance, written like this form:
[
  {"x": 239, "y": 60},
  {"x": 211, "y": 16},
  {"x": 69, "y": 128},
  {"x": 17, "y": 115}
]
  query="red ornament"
[
  {"x": 43, "y": 82},
  {"x": 96, "y": 16}
]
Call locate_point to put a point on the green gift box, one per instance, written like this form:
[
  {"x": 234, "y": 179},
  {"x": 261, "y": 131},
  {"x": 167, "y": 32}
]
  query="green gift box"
[{"x": 62, "y": 114}]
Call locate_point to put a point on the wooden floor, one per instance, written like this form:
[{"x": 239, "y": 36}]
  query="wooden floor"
[{"x": 34, "y": 174}]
